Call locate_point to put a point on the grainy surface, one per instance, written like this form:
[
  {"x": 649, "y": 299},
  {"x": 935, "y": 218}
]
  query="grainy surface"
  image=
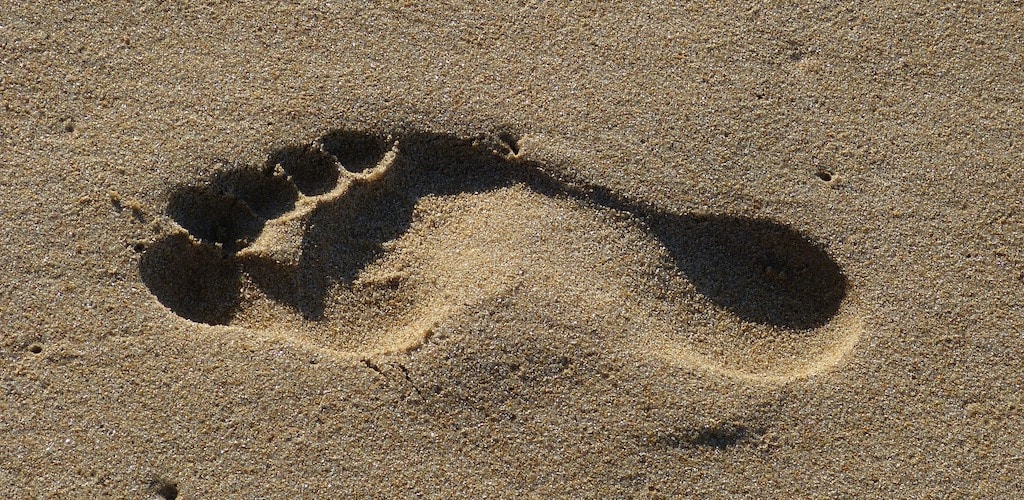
[{"x": 614, "y": 303}]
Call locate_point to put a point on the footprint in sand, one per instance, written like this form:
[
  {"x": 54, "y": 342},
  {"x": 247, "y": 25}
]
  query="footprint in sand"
[{"x": 363, "y": 243}]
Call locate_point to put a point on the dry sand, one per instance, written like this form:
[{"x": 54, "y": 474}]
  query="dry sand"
[{"x": 504, "y": 249}]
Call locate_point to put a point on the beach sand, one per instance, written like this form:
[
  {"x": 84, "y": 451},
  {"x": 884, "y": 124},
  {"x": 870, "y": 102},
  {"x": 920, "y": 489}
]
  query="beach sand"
[{"x": 525, "y": 249}]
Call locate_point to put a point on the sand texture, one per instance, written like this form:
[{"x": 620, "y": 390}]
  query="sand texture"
[{"x": 520, "y": 249}]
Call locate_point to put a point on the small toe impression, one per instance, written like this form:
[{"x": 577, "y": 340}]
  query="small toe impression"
[
  {"x": 357, "y": 152},
  {"x": 196, "y": 281},
  {"x": 313, "y": 171},
  {"x": 213, "y": 217},
  {"x": 232, "y": 208},
  {"x": 266, "y": 194}
]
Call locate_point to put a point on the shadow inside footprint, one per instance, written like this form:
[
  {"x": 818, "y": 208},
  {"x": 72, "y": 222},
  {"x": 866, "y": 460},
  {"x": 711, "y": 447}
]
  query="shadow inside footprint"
[
  {"x": 232, "y": 207},
  {"x": 354, "y": 151},
  {"x": 195, "y": 280},
  {"x": 344, "y": 236},
  {"x": 312, "y": 170},
  {"x": 340, "y": 240},
  {"x": 762, "y": 271}
]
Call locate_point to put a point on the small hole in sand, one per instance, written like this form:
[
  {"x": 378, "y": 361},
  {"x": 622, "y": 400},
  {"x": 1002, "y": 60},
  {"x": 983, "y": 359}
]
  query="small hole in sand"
[
  {"x": 825, "y": 176},
  {"x": 511, "y": 141},
  {"x": 139, "y": 247},
  {"x": 166, "y": 490},
  {"x": 35, "y": 348},
  {"x": 720, "y": 436}
]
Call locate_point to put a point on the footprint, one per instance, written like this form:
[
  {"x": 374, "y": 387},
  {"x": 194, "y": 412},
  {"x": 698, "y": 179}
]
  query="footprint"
[{"x": 360, "y": 242}]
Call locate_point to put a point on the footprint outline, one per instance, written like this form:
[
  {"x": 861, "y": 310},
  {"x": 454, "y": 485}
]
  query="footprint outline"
[{"x": 368, "y": 184}]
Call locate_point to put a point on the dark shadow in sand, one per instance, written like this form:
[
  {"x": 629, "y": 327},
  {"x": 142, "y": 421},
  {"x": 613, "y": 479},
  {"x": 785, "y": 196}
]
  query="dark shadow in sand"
[
  {"x": 196, "y": 280},
  {"x": 760, "y": 270}
]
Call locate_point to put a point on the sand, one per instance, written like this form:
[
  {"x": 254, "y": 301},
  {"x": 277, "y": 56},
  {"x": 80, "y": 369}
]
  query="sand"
[{"x": 525, "y": 249}]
